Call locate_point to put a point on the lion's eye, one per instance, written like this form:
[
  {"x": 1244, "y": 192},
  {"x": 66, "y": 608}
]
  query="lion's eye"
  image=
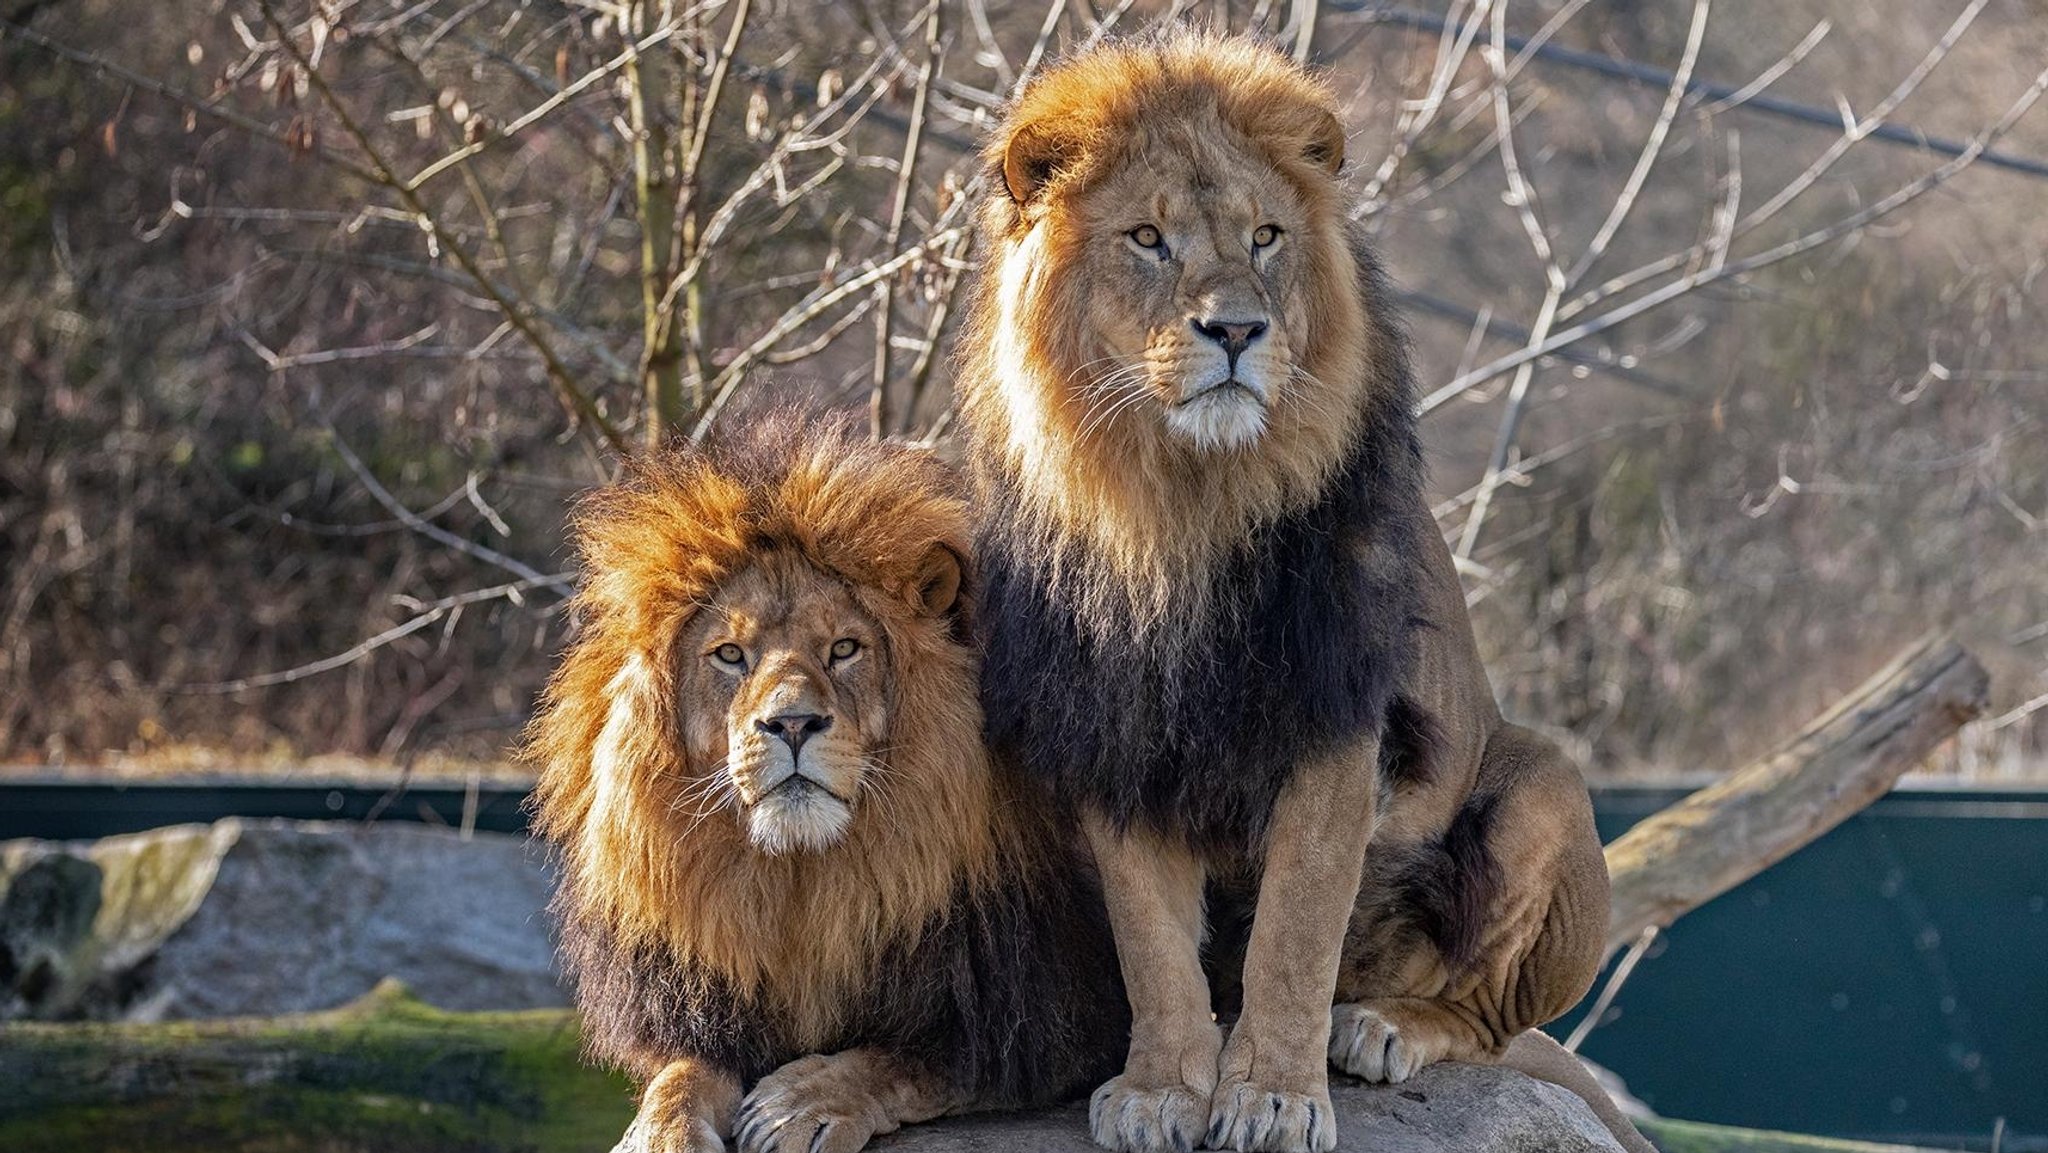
[
  {"x": 730, "y": 654},
  {"x": 844, "y": 648},
  {"x": 1148, "y": 237},
  {"x": 1265, "y": 235}
]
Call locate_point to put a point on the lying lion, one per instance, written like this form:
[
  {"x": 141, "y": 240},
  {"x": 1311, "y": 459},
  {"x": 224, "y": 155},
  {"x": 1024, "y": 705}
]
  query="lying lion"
[
  {"x": 1219, "y": 616},
  {"x": 762, "y": 767}
]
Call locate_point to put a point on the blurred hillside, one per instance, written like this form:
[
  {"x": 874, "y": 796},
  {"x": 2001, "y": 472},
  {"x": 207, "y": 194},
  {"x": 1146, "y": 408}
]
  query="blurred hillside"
[{"x": 285, "y": 449}]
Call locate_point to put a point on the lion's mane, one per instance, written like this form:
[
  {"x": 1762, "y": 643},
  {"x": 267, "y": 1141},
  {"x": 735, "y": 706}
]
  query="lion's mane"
[{"x": 953, "y": 925}]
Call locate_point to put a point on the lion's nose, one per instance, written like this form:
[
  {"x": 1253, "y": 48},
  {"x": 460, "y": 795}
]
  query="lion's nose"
[
  {"x": 794, "y": 728},
  {"x": 1234, "y": 335}
]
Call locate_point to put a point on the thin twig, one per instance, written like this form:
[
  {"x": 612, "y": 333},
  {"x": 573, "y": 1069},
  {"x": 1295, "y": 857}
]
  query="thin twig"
[
  {"x": 1301, "y": 20},
  {"x": 533, "y": 115},
  {"x": 434, "y": 611},
  {"x": 1520, "y": 470},
  {"x": 1862, "y": 127},
  {"x": 800, "y": 315},
  {"x": 526, "y": 573},
  {"x": 1555, "y": 282},
  {"x": 1615, "y": 981},
  {"x": 1455, "y": 41},
  {"x": 919, "y": 376},
  {"x": 1652, "y": 148},
  {"x": 906, "y": 171},
  {"x": 1771, "y": 75}
]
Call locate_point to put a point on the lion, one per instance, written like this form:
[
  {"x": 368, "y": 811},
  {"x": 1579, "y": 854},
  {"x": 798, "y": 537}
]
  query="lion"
[
  {"x": 799, "y": 906},
  {"x": 1219, "y": 618}
]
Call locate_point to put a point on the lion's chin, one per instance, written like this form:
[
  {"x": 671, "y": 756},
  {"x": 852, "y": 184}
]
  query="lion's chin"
[
  {"x": 1226, "y": 416},
  {"x": 798, "y": 817}
]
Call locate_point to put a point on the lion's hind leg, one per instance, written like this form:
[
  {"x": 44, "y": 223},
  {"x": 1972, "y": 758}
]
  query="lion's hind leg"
[
  {"x": 1494, "y": 928},
  {"x": 1390, "y": 1039},
  {"x": 837, "y": 1103}
]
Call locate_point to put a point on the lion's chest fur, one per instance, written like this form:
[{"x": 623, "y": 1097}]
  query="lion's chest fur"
[{"x": 1194, "y": 726}]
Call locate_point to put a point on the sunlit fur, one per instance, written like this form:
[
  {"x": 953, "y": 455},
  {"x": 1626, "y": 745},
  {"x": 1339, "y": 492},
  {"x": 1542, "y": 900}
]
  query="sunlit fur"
[
  {"x": 721, "y": 917},
  {"x": 1185, "y": 614},
  {"x": 642, "y": 784},
  {"x": 1084, "y": 378}
]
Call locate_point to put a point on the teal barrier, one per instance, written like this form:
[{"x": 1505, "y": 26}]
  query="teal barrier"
[{"x": 1889, "y": 982}]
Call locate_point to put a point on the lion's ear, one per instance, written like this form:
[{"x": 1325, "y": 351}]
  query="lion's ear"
[
  {"x": 1325, "y": 148},
  {"x": 939, "y": 577},
  {"x": 1033, "y": 155}
]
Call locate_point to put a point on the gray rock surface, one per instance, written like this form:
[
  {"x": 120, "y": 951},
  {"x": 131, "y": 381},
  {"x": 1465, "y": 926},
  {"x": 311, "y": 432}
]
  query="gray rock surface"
[
  {"x": 261, "y": 917},
  {"x": 1444, "y": 1109}
]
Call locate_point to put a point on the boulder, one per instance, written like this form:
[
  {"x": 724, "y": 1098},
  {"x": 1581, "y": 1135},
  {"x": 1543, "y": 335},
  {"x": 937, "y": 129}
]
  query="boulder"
[
  {"x": 266, "y": 917},
  {"x": 1443, "y": 1109}
]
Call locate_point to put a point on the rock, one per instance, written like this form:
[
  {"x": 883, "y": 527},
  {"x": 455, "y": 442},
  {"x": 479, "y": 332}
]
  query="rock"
[
  {"x": 1443, "y": 1109},
  {"x": 390, "y": 1073},
  {"x": 266, "y": 917}
]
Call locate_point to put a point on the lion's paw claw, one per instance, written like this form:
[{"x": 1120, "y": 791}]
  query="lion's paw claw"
[
  {"x": 795, "y": 1111},
  {"x": 1254, "y": 1119},
  {"x": 1134, "y": 1118},
  {"x": 1367, "y": 1045}
]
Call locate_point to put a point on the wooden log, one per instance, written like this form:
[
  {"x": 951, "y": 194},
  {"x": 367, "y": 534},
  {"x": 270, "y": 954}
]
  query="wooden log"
[{"x": 1724, "y": 834}]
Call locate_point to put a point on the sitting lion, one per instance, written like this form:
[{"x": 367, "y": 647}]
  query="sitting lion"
[
  {"x": 762, "y": 766},
  {"x": 1219, "y": 617}
]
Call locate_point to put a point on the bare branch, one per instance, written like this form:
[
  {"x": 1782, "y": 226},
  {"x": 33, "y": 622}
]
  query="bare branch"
[
  {"x": 802, "y": 314},
  {"x": 1652, "y": 148},
  {"x": 1452, "y": 45},
  {"x": 906, "y": 172},
  {"x": 515, "y": 311},
  {"x": 1863, "y": 126},
  {"x": 1555, "y": 282},
  {"x": 527, "y": 574},
  {"x": 433, "y": 611},
  {"x": 1770, "y": 76},
  {"x": 538, "y": 112},
  {"x": 1897, "y": 199}
]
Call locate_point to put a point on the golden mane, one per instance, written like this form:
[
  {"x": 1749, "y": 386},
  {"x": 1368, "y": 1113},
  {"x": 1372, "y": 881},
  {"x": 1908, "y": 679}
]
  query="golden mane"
[
  {"x": 1126, "y": 513},
  {"x": 798, "y": 930}
]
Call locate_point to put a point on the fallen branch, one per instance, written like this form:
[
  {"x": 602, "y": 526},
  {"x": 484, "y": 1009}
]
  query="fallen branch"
[{"x": 1717, "y": 838}]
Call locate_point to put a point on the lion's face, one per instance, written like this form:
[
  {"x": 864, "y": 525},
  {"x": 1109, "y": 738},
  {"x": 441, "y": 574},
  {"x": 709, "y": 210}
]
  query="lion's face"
[
  {"x": 1173, "y": 272},
  {"x": 1191, "y": 263},
  {"x": 785, "y": 687}
]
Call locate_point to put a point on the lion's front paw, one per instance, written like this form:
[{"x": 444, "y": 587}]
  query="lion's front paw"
[
  {"x": 1376, "y": 1046},
  {"x": 697, "y": 1135},
  {"x": 1252, "y": 1117},
  {"x": 1136, "y": 1118},
  {"x": 808, "y": 1107},
  {"x": 1269, "y": 1100}
]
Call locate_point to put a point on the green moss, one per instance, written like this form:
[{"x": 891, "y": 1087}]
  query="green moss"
[
  {"x": 1689, "y": 1137},
  {"x": 387, "y": 1073}
]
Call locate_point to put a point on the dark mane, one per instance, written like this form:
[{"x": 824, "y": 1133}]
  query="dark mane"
[
  {"x": 1308, "y": 631},
  {"x": 1013, "y": 995}
]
